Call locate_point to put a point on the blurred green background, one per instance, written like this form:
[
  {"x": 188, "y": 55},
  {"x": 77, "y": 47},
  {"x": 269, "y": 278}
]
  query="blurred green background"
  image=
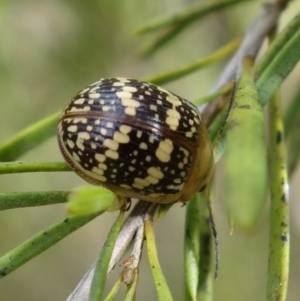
[{"x": 51, "y": 49}]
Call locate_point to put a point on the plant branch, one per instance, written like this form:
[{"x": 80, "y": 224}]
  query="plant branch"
[
  {"x": 12, "y": 200},
  {"x": 41, "y": 242},
  {"x": 278, "y": 267},
  {"x": 20, "y": 167}
]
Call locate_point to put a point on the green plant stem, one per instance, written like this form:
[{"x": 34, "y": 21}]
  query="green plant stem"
[
  {"x": 115, "y": 289},
  {"x": 210, "y": 97},
  {"x": 29, "y": 138},
  {"x": 192, "y": 247},
  {"x": 13, "y": 200},
  {"x": 40, "y": 242},
  {"x": 100, "y": 274},
  {"x": 278, "y": 267},
  {"x": 166, "y": 77},
  {"x": 162, "y": 288},
  {"x": 20, "y": 167}
]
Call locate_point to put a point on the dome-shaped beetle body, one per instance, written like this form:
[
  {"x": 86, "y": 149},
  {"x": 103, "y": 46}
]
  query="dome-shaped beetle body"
[{"x": 136, "y": 139}]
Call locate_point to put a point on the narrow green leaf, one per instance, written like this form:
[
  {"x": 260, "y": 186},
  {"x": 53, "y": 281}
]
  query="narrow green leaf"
[
  {"x": 210, "y": 97},
  {"x": 285, "y": 54},
  {"x": 100, "y": 274},
  {"x": 20, "y": 167},
  {"x": 192, "y": 246},
  {"x": 29, "y": 138},
  {"x": 115, "y": 289},
  {"x": 216, "y": 127},
  {"x": 278, "y": 268},
  {"x": 11, "y": 200},
  {"x": 40, "y": 242},
  {"x": 198, "y": 250},
  {"x": 245, "y": 159},
  {"x": 161, "y": 285},
  {"x": 206, "y": 275}
]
